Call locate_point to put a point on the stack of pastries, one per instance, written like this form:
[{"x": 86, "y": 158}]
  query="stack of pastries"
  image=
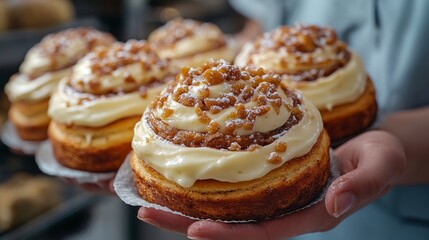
[
  {"x": 313, "y": 60},
  {"x": 94, "y": 110},
  {"x": 230, "y": 143},
  {"x": 44, "y": 65},
  {"x": 190, "y": 43}
]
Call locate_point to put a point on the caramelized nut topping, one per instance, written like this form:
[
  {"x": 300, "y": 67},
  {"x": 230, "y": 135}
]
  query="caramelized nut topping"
[
  {"x": 56, "y": 44},
  {"x": 281, "y": 147},
  {"x": 253, "y": 147},
  {"x": 202, "y": 116},
  {"x": 274, "y": 158},
  {"x": 167, "y": 112},
  {"x": 213, "y": 127},
  {"x": 246, "y": 102},
  {"x": 300, "y": 42},
  {"x": 234, "y": 147}
]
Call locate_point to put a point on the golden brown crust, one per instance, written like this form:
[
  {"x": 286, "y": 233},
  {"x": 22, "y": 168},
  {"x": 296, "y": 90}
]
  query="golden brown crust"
[
  {"x": 30, "y": 119},
  {"x": 348, "y": 119},
  {"x": 101, "y": 149},
  {"x": 282, "y": 190}
]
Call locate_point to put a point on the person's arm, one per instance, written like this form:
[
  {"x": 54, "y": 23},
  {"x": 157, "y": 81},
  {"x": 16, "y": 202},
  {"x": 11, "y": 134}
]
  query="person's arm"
[
  {"x": 412, "y": 128},
  {"x": 251, "y": 30}
]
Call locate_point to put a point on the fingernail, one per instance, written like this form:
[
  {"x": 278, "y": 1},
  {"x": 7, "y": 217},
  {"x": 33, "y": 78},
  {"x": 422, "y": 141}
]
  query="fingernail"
[
  {"x": 343, "y": 203},
  {"x": 196, "y": 238},
  {"x": 147, "y": 220}
]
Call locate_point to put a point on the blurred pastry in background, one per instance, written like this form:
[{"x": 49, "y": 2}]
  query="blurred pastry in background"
[
  {"x": 4, "y": 16},
  {"x": 43, "y": 67},
  {"x": 313, "y": 60},
  {"x": 33, "y": 14},
  {"x": 24, "y": 197},
  {"x": 95, "y": 109},
  {"x": 191, "y": 43}
]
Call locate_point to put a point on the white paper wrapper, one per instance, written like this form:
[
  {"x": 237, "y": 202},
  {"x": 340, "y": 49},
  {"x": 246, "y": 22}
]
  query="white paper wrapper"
[
  {"x": 11, "y": 139},
  {"x": 127, "y": 191},
  {"x": 48, "y": 164}
]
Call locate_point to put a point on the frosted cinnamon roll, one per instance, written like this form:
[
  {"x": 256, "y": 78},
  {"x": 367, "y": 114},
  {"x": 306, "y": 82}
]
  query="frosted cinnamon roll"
[
  {"x": 191, "y": 43},
  {"x": 43, "y": 67},
  {"x": 230, "y": 143},
  {"x": 95, "y": 109},
  {"x": 313, "y": 60}
]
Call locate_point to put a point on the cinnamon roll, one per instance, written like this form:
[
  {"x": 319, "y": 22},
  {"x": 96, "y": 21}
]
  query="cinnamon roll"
[
  {"x": 95, "y": 109},
  {"x": 230, "y": 143},
  {"x": 191, "y": 43},
  {"x": 313, "y": 60},
  {"x": 43, "y": 67}
]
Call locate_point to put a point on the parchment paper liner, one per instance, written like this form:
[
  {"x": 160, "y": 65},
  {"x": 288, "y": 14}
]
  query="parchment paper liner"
[
  {"x": 126, "y": 190},
  {"x": 48, "y": 164},
  {"x": 11, "y": 139}
]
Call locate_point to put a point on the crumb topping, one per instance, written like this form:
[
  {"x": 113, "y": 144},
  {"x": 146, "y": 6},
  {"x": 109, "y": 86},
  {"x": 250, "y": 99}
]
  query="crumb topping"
[
  {"x": 260, "y": 87},
  {"x": 301, "y": 41}
]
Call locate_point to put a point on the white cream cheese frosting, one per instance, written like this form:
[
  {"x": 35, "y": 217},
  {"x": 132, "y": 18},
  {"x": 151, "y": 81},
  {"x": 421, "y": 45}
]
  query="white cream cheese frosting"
[
  {"x": 184, "y": 165},
  {"x": 20, "y": 88},
  {"x": 343, "y": 86},
  {"x": 109, "y": 84},
  {"x": 52, "y": 59}
]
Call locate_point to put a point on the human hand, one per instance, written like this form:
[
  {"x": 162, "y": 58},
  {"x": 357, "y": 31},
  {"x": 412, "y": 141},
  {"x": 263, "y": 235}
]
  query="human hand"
[{"x": 369, "y": 164}]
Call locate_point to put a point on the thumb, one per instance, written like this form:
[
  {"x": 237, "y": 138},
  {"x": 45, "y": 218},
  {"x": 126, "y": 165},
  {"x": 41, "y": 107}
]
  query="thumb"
[{"x": 369, "y": 164}]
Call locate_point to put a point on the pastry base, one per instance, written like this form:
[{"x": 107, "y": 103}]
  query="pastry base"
[
  {"x": 348, "y": 119},
  {"x": 101, "y": 149},
  {"x": 282, "y": 190},
  {"x": 30, "y": 119}
]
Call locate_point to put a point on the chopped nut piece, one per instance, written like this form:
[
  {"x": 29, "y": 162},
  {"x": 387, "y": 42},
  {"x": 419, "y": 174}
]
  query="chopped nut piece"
[
  {"x": 234, "y": 147},
  {"x": 274, "y": 158},
  {"x": 202, "y": 116},
  {"x": 166, "y": 113},
  {"x": 281, "y": 147},
  {"x": 213, "y": 127},
  {"x": 253, "y": 147}
]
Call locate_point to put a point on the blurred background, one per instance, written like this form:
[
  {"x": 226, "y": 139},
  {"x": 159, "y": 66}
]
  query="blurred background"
[{"x": 34, "y": 206}]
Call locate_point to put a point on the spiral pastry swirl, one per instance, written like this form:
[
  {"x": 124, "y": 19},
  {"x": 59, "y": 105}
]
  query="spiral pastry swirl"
[
  {"x": 217, "y": 116},
  {"x": 191, "y": 43},
  {"x": 110, "y": 83}
]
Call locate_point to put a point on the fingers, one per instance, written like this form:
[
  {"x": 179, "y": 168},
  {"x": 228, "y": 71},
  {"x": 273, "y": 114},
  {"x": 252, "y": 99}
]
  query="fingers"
[
  {"x": 217, "y": 230},
  {"x": 165, "y": 220},
  {"x": 370, "y": 164},
  {"x": 312, "y": 219}
]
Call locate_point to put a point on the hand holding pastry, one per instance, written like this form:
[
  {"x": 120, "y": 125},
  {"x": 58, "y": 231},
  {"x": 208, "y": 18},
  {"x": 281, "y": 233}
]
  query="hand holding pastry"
[{"x": 369, "y": 165}]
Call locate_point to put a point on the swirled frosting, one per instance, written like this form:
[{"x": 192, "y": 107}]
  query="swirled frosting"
[
  {"x": 110, "y": 83},
  {"x": 311, "y": 59},
  {"x": 225, "y": 123},
  {"x": 50, "y": 60},
  {"x": 192, "y": 42}
]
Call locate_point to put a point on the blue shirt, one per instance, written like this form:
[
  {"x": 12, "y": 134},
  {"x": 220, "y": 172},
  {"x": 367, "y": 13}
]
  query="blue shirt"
[{"x": 392, "y": 37}]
